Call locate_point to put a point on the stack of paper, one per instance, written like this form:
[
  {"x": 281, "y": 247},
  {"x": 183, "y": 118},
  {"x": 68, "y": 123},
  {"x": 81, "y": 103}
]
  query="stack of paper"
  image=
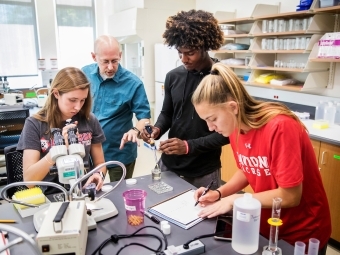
[{"x": 179, "y": 210}]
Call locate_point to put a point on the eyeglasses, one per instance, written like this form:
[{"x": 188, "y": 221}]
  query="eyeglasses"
[{"x": 107, "y": 62}]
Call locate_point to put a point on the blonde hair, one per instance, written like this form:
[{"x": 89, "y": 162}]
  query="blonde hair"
[
  {"x": 66, "y": 80},
  {"x": 223, "y": 85}
]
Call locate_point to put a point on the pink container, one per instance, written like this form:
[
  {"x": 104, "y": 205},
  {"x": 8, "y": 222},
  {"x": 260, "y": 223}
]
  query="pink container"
[{"x": 134, "y": 200}]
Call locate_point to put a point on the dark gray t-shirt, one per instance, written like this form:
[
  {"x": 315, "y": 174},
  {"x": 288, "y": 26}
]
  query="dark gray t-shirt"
[{"x": 34, "y": 137}]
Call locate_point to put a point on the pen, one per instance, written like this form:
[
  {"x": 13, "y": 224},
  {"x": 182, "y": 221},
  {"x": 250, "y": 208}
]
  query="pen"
[
  {"x": 205, "y": 191},
  {"x": 151, "y": 217},
  {"x": 7, "y": 221}
]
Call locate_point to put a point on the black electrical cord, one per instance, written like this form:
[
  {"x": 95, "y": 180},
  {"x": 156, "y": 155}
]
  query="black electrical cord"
[
  {"x": 186, "y": 245},
  {"x": 116, "y": 238},
  {"x": 138, "y": 245}
]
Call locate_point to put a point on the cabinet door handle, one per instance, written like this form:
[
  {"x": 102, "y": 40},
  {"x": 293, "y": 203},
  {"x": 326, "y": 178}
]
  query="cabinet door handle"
[{"x": 322, "y": 157}]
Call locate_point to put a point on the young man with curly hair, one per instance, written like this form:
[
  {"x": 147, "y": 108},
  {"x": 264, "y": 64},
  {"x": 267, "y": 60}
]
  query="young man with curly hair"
[{"x": 192, "y": 151}]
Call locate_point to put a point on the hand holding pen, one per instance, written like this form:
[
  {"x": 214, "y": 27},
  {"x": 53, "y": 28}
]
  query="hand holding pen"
[{"x": 205, "y": 191}]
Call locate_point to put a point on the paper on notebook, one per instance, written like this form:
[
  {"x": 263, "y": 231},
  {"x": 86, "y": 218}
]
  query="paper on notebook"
[{"x": 180, "y": 210}]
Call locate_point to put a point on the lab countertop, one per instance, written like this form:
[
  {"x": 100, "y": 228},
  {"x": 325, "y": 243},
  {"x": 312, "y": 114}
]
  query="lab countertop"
[{"x": 329, "y": 135}]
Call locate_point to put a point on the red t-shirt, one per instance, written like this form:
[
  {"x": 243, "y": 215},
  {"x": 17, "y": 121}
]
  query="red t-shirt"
[{"x": 280, "y": 154}]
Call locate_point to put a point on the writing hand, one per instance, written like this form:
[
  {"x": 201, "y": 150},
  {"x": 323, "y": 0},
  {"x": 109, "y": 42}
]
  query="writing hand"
[
  {"x": 210, "y": 197},
  {"x": 220, "y": 207}
]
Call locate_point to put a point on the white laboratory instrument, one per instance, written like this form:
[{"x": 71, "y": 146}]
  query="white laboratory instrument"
[
  {"x": 48, "y": 76},
  {"x": 64, "y": 230},
  {"x": 70, "y": 167},
  {"x": 70, "y": 234},
  {"x": 100, "y": 208},
  {"x": 42, "y": 95},
  {"x": 13, "y": 98}
]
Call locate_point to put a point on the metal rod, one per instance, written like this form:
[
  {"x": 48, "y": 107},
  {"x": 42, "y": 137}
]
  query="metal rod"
[{"x": 96, "y": 169}]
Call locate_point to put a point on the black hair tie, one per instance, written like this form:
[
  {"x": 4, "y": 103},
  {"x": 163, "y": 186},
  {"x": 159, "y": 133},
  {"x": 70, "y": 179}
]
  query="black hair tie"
[{"x": 214, "y": 72}]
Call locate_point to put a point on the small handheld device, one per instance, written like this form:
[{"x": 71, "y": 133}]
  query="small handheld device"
[{"x": 223, "y": 228}]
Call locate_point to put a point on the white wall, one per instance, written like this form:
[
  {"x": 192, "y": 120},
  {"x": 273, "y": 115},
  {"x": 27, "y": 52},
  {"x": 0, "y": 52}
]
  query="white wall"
[
  {"x": 243, "y": 8},
  {"x": 104, "y": 9}
]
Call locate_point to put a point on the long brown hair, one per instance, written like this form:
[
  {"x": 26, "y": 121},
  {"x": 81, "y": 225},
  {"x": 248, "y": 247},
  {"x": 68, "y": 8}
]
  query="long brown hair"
[
  {"x": 66, "y": 80},
  {"x": 223, "y": 85}
]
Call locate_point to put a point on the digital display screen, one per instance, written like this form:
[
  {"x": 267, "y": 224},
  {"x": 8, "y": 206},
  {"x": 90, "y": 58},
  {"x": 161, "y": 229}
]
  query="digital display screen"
[{"x": 223, "y": 227}]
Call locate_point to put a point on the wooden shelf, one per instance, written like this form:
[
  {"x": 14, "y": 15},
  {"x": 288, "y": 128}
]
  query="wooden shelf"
[
  {"x": 237, "y": 20},
  {"x": 316, "y": 72},
  {"x": 327, "y": 60},
  {"x": 286, "y": 15},
  {"x": 231, "y": 51},
  {"x": 332, "y": 9},
  {"x": 294, "y": 70},
  {"x": 238, "y": 36},
  {"x": 239, "y": 67},
  {"x": 285, "y": 87},
  {"x": 281, "y": 51},
  {"x": 300, "y": 32}
]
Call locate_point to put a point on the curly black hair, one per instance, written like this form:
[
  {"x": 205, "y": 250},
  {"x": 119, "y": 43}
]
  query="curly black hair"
[{"x": 194, "y": 29}]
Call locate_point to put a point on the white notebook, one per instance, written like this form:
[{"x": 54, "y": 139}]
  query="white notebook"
[{"x": 179, "y": 210}]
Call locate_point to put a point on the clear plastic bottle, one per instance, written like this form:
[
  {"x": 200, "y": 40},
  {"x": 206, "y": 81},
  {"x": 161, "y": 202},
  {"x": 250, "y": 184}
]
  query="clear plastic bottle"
[
  {"x": 329, "y": 113},
  {"x": 246, "y": 224},
  {"x": 319, "y": 110},
  {"x": 337, "y": 114}
]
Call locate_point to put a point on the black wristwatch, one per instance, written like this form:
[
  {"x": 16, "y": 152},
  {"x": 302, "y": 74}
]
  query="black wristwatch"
[{"x": 137, "y": 130}]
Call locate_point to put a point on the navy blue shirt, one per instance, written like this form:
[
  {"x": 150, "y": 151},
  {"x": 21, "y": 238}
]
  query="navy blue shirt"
[{"x": 114, "y": 103}]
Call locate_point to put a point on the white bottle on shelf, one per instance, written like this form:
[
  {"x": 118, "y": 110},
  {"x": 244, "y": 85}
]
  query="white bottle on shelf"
[
  {"x": 329, "y": 113},
  {"x": 337, "y": 114},
  {"x": 319, "y": 110}
]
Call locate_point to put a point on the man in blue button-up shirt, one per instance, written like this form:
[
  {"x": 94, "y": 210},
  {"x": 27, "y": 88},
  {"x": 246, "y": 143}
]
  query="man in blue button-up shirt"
[{"x": 117, "y": 95}]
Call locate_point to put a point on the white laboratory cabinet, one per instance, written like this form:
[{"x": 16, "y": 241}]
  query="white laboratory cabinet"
[{"x": 166, "y": 59}]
